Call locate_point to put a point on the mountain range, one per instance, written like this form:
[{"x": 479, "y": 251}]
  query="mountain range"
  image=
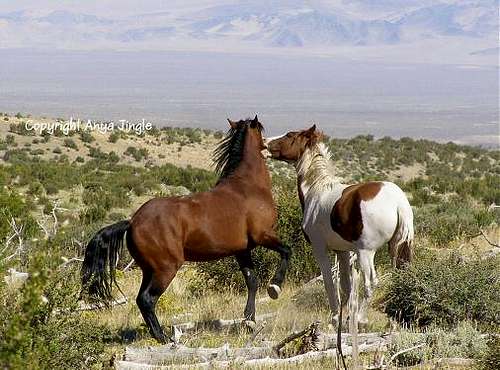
[{"x": 463, "y": 28}]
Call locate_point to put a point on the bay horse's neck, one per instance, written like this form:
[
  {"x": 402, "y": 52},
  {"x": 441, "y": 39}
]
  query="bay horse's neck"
[
  {"x": 315, "y": 171},
  {"x": 252, "y": 167}
]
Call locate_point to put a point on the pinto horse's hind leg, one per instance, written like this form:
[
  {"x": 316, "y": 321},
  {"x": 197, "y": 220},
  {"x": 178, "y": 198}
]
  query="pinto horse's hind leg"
[
  {"x": 366, "y": 264},
  {"x": 271, "y": 241},
  {"x": 152, "y": 287},
  {"x": 247, "y": 269}
]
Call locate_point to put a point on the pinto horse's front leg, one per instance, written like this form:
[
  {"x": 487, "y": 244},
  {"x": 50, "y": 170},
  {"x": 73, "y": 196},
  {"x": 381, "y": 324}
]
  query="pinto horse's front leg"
[{"x": 323, "y": 259}]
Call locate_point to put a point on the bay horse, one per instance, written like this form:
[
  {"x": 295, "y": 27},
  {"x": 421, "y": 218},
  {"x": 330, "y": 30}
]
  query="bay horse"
[
  {"x": 357, "y": 218},
  {"x": 235, "y": 216}
]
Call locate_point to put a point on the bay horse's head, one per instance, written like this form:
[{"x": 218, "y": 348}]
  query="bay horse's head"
[
  {"x": 230, "y": 151},
  {"x": 290, "y": 146}
]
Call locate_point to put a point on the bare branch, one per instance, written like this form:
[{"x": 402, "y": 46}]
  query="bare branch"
[
  {"x": 488, "y": 241},
  {"x": 296, "y": 335},
  {"x": 129, "y": 265},
  {"x": 394, "y": 356}
]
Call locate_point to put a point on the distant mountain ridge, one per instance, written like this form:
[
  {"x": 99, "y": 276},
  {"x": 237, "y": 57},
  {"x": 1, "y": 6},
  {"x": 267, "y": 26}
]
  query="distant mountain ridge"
[{"x": 258, "y": 24}]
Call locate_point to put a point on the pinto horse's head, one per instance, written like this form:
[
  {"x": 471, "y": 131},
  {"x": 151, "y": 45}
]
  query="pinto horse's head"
[{"x": 290, "y": 146}]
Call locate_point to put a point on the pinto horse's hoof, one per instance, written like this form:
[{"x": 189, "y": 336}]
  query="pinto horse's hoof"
[{"x": 274, "y": 291}]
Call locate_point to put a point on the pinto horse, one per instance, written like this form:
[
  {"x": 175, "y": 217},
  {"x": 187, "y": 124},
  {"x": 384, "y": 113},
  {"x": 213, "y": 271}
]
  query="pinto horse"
[
  {"x": 358, "y": 218},
  {"x": 231, "y": 219}
]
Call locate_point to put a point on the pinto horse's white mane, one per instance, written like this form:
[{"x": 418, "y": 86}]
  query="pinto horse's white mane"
[{"x": 315, "y": 168}]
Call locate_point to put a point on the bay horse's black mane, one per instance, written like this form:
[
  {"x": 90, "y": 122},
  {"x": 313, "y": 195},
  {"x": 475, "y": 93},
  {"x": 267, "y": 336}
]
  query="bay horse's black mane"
[{"x": 229, "y": 153}]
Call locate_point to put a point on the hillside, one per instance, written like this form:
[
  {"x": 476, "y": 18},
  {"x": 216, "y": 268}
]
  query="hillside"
[{"x": 57, "y": 190}]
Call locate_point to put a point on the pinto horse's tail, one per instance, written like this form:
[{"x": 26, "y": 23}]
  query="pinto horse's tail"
[
  {"x": 101, "y": 256},
  {"x": 401, "y": 243}
]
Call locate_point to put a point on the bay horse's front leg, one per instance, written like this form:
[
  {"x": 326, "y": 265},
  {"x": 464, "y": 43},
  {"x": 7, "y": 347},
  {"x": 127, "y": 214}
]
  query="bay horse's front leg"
[
  {"x": 247, "y": 269},
  {"x": 272, "y": 241}
]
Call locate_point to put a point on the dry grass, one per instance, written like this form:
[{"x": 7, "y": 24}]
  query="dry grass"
[{"x": 295, "y": 310}]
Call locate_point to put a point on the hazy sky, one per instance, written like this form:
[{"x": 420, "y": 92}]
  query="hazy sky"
[{"x": 104, "y": 7}]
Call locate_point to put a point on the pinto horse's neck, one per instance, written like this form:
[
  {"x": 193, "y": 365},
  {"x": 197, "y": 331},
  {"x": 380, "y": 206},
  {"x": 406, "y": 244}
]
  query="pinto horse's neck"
[{"x": 315, "y": 171}]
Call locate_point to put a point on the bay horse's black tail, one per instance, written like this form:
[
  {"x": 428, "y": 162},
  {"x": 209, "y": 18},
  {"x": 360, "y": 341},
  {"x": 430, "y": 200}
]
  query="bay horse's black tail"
[{"x": 101, "y": 256}]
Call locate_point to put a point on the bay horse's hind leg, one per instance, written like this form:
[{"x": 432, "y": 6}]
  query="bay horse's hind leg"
[
  {"x": 272, "y": 241},
  {"x": 247, "y": 268},
  {"x": 152, "y": 287}
]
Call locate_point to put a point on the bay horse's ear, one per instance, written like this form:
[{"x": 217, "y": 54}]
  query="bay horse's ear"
[
  {"x": 310, "y": 131},
  {"x": 233, "y": 124},
  {"x": 254, "y": 122}
]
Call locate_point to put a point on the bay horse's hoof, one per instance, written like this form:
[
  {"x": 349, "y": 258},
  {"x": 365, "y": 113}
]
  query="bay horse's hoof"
[
  {"x": 274, "y": 291},
  {"x": 249, "y": 324}
]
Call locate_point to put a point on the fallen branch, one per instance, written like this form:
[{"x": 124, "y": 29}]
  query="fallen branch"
[
  {"x": 488, "y": 241},
  {"x": 172, "y": 353},
  {"x": 217, "y": 324},
  {"x": 394, "y": 356},
  {"x": 295, "y": 335},
  {"x": 98, "y": 306},
  {"x": 67, "y": 261},
  {"x": 15, "y": 278},
  {"x": 129, "y": 265}
]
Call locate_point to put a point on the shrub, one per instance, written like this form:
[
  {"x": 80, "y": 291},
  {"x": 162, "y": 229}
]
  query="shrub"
[
  {"x": 20, "y": 129},
  {"x": 13, "y": 205},
  {"x": 444, "y": 291},
  {"x": 93, "y": 214},
  {"x": 452, "y": 219},
  {"x": 463, "y": 341},
  {"x": 70, "y": 143},
  {"x": 86, "y": 137},
  {"x": 10, "y": 140},
  {"x": 57, "y": 150},
  {"x": 37, "y": 152},
  {"x": 114, "y": 136},
  {"x": 38, "y": 334},
  {"x": 490, "y": 360},
  {"x": 137, "y": 154}
]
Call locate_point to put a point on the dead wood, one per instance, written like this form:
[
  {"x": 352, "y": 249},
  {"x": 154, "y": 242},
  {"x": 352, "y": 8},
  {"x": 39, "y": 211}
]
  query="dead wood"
[
  {"x": 217, "y": 324},
  {"x": 172, "y": 353}
]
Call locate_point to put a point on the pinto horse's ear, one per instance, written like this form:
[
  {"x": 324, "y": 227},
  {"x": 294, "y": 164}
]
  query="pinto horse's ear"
[{"x": 233, "y": 124}]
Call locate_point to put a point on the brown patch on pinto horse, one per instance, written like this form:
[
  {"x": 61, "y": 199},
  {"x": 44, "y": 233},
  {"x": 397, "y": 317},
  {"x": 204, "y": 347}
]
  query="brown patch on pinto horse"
[{"x": 345, "y": 217}]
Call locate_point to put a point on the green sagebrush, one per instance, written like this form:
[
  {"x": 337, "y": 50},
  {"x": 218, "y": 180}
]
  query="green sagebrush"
[{"x": 444, "y": 291}]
